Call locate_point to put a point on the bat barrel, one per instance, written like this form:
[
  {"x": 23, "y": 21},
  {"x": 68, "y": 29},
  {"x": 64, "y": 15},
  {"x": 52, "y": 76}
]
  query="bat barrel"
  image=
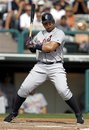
[{"x": 32, "y": 12}]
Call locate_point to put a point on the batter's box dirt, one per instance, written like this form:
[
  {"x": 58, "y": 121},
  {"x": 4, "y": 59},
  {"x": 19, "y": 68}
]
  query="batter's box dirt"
[{"x": 43, "y": 124}]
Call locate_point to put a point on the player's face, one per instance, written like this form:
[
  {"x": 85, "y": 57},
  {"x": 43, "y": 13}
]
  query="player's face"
[{"x": 49, "y": 26}]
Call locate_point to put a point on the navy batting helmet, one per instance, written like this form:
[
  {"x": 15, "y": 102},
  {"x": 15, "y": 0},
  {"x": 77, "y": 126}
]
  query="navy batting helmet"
[{"x": 47, "y": 17}]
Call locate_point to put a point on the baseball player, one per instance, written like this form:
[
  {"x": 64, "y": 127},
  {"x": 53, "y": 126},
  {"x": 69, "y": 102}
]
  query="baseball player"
[{"x": 49, "y": 46}]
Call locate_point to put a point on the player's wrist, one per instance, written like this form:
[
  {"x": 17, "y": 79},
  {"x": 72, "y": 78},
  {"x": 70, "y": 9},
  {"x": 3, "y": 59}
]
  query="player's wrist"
[
  {"x": 34, "y": 47},
  {"x": 38, "y": 46}
]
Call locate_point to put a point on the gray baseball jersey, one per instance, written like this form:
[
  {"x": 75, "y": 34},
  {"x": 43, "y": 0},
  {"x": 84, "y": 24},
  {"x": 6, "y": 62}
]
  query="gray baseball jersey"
[{"x": 43, "y": 37}]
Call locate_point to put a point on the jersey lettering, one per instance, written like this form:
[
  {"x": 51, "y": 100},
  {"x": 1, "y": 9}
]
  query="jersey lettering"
[{"x": 47, "y": 40}]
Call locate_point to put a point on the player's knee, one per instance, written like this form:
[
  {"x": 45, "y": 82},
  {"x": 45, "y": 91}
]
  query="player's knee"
[
  {"x": 66, "y": 94},
  {"x": 23, "y": 92}
]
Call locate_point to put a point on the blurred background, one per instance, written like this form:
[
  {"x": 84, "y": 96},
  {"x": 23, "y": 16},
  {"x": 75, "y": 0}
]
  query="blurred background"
[{"x": 72, "y": 16}]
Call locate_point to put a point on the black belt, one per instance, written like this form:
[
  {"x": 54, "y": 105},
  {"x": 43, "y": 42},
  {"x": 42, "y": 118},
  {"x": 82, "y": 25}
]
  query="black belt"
[{"x": 49, "y": 63}]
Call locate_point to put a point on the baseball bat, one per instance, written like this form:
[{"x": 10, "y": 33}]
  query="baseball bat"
[{"x": 31, "y": 19}]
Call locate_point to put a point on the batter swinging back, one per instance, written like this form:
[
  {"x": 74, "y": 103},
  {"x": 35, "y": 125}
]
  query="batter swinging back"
[{"x": 49, "y": 46}]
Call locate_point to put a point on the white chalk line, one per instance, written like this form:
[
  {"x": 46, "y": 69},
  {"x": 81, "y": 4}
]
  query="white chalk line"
[
  {"x": 59, "y": 126},
  {"x": 44, "y": 126}
]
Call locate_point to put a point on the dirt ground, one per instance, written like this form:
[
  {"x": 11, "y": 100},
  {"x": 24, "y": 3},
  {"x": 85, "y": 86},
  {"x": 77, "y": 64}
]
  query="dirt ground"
[{"x": 43, "y": 124}]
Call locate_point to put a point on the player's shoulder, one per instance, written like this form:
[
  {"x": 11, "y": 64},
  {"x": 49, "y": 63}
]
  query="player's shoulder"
[
  {"x": 41, "y": 32},
  {"x": 59, "y": 30}
]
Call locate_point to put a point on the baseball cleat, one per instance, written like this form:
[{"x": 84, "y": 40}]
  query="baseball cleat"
[
  {"x": 10, "y": 117},
  {"x": 80, "y": 119}
]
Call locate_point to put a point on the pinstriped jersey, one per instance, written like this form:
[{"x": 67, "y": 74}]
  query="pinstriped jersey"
[{"x": 43, "y": 37}]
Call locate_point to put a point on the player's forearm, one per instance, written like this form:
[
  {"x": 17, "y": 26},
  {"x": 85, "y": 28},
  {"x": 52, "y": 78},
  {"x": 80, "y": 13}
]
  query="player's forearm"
[
  {"x": 40, "y": 47},
  {"x": 46, "y": 47},
  {"x": 49, "y": 47}
]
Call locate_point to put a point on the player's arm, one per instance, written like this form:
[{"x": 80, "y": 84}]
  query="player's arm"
[{"x": 50, "y": 46}]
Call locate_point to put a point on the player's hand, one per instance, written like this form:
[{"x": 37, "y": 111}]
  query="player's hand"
[{"x": 29, "y": 43}]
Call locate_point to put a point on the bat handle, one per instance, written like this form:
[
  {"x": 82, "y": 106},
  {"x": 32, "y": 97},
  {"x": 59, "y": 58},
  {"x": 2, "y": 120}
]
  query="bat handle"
[{"x": 30, "y": 34}]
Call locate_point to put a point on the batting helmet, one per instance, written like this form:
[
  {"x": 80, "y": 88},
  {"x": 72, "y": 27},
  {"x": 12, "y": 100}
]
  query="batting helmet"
[{"x": 47, "y": 17}]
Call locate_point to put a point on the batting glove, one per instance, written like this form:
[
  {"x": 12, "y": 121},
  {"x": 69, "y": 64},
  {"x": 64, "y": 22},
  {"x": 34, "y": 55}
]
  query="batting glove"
[{"x": 29, "y": 43}]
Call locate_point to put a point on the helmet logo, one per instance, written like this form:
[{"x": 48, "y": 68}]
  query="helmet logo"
[{"x": 46, "y": 16}]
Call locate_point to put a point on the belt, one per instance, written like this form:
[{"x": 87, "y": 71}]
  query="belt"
[{"x": 49, "y": 63}]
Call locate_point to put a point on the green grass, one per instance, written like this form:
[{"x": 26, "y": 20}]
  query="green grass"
[{"x": 48, "y": 115}]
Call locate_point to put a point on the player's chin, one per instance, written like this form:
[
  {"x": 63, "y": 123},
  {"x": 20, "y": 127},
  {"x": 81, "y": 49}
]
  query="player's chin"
[{"x": 49, "y": 29}]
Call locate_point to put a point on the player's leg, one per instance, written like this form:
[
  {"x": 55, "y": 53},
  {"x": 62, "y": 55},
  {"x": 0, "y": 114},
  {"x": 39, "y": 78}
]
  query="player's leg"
[
  {"x": 30, "y": 83},
  {"x": 60, "y": 81}
]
